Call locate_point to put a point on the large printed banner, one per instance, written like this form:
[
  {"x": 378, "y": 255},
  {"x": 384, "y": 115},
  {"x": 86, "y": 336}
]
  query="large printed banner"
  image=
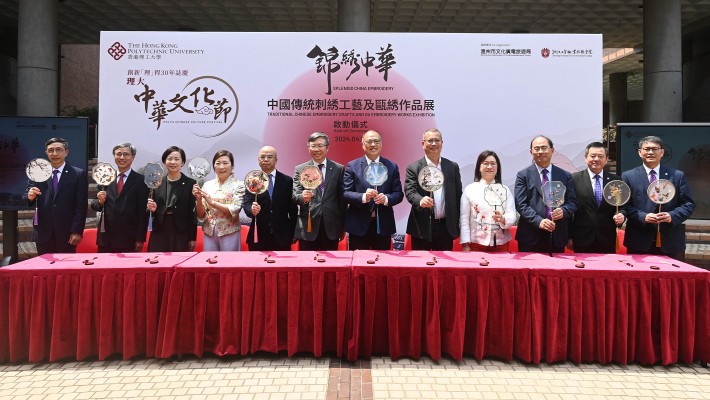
[{"x": 240, "y": 91}]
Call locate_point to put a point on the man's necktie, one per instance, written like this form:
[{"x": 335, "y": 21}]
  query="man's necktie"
[
  {"x": 545, "y": 179},
  {"x": 119, "y": 185},
  {"x": 653, "y": 176},
  {"x": 55, "y": 180},
  {"x": 597, "y": 189},
  {"x": 271, "y": 186},
  {"x": 322, "y": 182}
]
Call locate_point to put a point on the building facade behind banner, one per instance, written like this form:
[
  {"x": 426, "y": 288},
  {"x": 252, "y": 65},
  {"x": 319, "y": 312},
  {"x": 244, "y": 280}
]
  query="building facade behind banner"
[{"x": 239, "y": 91}]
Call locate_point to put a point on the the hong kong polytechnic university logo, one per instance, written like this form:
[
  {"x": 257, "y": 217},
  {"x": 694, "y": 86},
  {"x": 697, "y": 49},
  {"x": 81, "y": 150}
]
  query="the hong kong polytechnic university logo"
[
  {"x": 545, "y": 52},
  {"x": 117, "y": 51}
]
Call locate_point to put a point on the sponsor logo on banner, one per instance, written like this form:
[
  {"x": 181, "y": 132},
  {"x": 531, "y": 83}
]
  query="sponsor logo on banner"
[
  {"x": 117, "y": 51},
  {"x": 545, "y": 52},
  {"x": 150, "y": 51},
  {"x": 503, "y": 50}
]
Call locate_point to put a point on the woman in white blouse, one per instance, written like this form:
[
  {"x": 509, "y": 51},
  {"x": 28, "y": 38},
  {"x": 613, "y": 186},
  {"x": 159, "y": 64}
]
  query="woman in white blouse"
[
  {"x": 218, "y": 204},
  {"x": 487, "y": 208}
]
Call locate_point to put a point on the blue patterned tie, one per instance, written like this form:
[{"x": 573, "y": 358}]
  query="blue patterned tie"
[
  {"x": 597, "y": 189},
  {"x": 271, "y": 186},
  {"x": 545, "y": 179},
  {"x": 653, "y": 176}
]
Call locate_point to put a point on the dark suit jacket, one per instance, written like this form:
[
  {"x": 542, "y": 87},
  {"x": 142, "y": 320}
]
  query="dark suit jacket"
[
  {"x": 328, "y": 205},
  {"x": 639, "y": 235},
  {"x": 64, "y": 212},
  {"x": 531, "y": 207},
  {"x": 592, "y": 224},
  {"x": 184, "y": 210},
  {"x": 359, "y": 215},
  {"x": 278, "y": 213},
  {"x": 419, "y": 218},
  {"x": 124, "y": 216}
]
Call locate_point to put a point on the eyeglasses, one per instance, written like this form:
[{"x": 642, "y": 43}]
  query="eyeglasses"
[
  {"x": 122, "y": 155},
  {"x": 316, "y": 146},
  {"x": 489, "y": 164},
  {"x": 55, "y": 150},
  {"x": 433, "y": 141},
  {"x": 266, "y": 157},
  {"x": 541, "y": 149},
  {"x": 372, "y": 141},
  {"x": 651, "y": 149}
]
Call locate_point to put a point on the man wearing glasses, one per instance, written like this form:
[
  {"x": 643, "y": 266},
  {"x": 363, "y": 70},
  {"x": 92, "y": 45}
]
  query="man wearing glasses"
[
  {"x": 61, "y": 202},
  {"x": 276, "y": 214},
  {"x": 538, "y": 221},
  {"x": 371, "y": 207},
  {"x": 325, "y": 203},
  {"x": 644, "y": 218},
  {"x": 122, "y": 206},
  {"x": 433, "y": 221}
]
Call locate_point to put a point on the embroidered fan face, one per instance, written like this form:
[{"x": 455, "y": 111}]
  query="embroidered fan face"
[
  {"x": 103, "y": 174},
  {"x": 38, "y": 170},
  {"x": 256, "y": 182}
]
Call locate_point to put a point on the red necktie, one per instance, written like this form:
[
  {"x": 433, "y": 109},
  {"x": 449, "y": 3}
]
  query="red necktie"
[{"x": 119, "y": 185}]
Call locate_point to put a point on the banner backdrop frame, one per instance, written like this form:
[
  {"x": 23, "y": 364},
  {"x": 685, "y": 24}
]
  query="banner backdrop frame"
[{"x": 207, "y": 91}]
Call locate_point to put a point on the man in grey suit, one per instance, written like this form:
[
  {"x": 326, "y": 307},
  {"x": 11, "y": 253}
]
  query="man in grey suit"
[
  {"x": 326, "y": 203},
  {"x": 433, "y": 222},
  {"x": 537, "y": 221},
  {"x": 593, "y": 229},
  {"x": 644, "y": 219}
]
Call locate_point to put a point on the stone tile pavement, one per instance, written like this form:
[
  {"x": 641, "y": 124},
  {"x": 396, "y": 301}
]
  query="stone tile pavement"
[{"x": 277, "y": 377}]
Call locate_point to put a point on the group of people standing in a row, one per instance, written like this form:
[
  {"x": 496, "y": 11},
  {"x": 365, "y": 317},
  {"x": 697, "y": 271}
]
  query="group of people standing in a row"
[{"x": 346, "y": 202}]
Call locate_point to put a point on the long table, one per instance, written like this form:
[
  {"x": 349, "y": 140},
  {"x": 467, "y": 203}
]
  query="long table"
[
  {"x": 613, "y": 308},
  {"x": 246, "y": 302},
  {"x": 83, "y": 305},
  {"x": 618, "y": 309},
  {"x": 402, "y": 306}
]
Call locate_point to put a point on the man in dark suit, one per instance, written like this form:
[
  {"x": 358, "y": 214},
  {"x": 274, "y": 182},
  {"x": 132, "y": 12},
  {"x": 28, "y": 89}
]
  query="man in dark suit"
[
  {"x": 275, "y": 213},
  {"x": 537, "y": 221},
  {"x": 433, "y": 222},
  {"x": 643, "y": 216},
  {"x": 366, "y": 204},
  {"x": 122, "y": 206},
  {"x": 326, "y": 204},
  {"x": 593, "y": 228},
  {"x": 62, "y": 203}
]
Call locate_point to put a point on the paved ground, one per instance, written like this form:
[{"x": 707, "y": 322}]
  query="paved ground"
[{"x": 274, "y": 377}]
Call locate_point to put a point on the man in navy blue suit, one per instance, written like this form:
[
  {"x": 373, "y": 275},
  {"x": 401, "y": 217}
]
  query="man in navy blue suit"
[
  {"x": 365, "y": 203},
  {"x": 537, "y": 221},
  {"x": 61, "y": 201},
  {"x": 643, "y": 216}
]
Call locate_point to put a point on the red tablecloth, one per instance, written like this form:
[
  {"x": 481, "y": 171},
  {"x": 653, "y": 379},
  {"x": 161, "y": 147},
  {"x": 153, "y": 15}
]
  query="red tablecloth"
[
  {"x": 55, "y": 306},
  {"x": 404, "y": 307},
  {"x": 242, "y": 304},
  {"x": 618, "y": 309}
]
